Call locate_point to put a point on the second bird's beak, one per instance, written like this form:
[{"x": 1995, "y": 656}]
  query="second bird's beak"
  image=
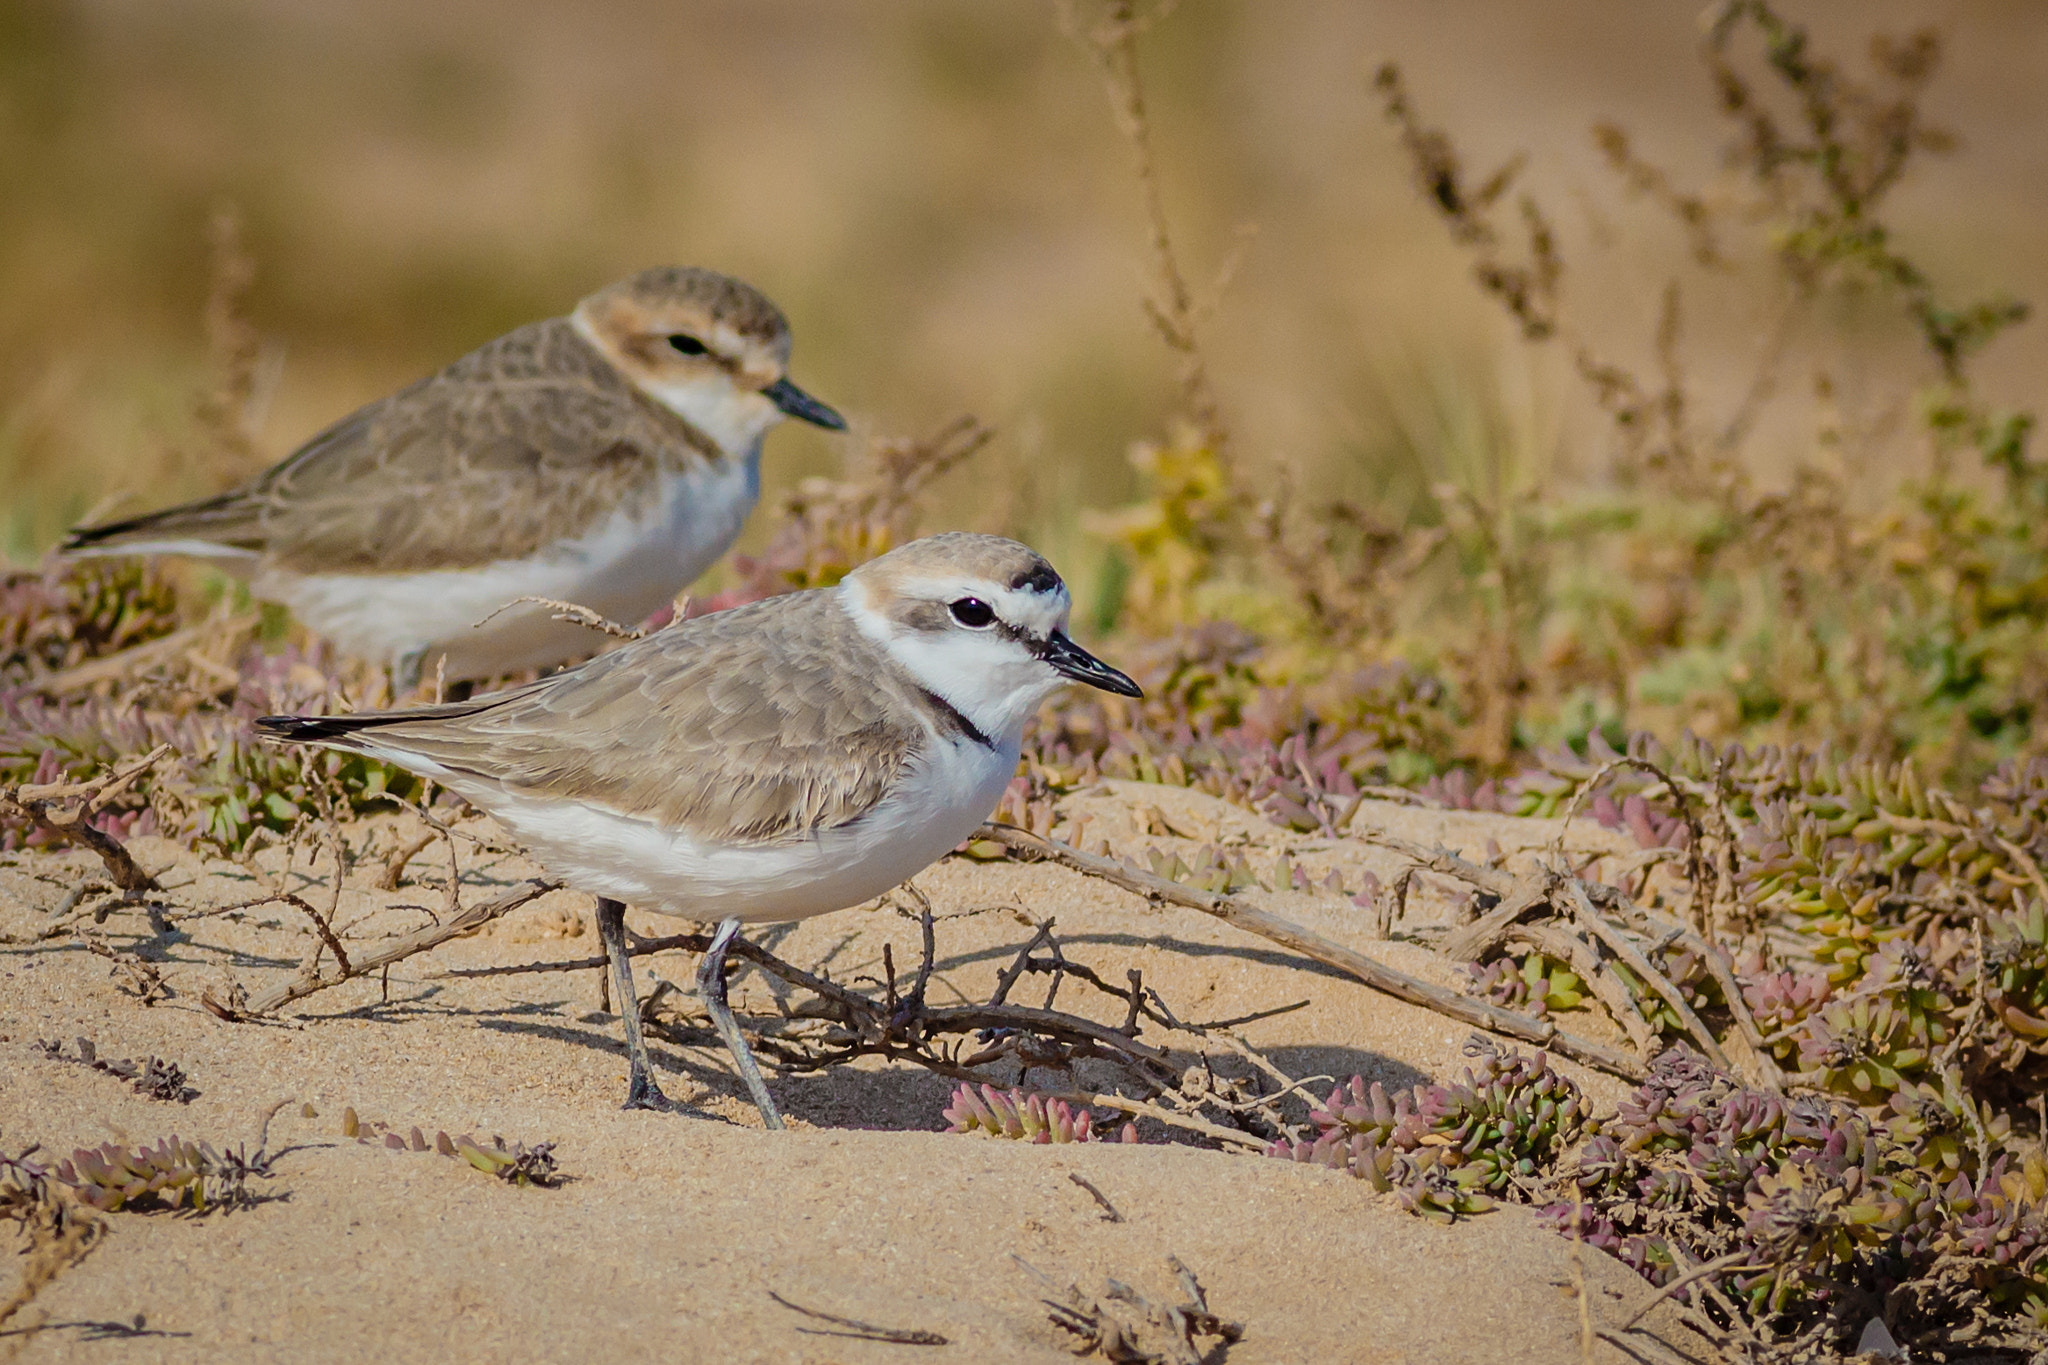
[
  {"x": 1069, "y": 660},
  {"x": 797, "y": 403}
]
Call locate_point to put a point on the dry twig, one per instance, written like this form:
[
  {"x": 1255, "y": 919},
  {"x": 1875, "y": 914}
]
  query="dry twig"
[
  {"x": 1733, "y": 1261},
  {"x": 1561, "y": 945},
  {"x": 1174, "y": 308},
  {"x": 137, "y": 659},
  {"x": 861, "y": 1331},
  {"x": 1124, "y": 1325},
  {"x": 1653, "y": 979},
  {"x": 43, "y": 806},
  {"x": 394, "y": 866},
  {"x": 575, "y": 613},
  {"x": 1109, "y": 1213},
  {"x": 1574, "y": 901},
  {"x": 305, "y": 984}
]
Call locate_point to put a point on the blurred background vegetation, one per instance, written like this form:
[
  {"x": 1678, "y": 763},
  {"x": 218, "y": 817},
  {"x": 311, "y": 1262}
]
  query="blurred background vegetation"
[
  {"x": 935, "y": 192},
  {"x": 941, "y": 198}
]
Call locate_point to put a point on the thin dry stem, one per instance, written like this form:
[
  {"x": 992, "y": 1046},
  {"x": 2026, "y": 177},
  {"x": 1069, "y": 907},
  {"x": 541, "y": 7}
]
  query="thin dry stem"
[
  {"x": 230, "y": 412},
  {"x": 1561, "y": 945},
  {"x": 1653, "y": 979},
  {"x": 394, "y": 866},
  {"x": 575, "y": 613},
  {"x": 905, "y": 1028},
  {"x": 1173, "y": 307},
  {"x": 475, "y": 917},
  {"x": 1733, "y": 1261}
]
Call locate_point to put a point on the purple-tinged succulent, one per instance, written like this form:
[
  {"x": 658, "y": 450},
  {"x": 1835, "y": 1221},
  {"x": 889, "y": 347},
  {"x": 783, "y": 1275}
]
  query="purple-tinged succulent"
[
  {"x": 172, "y": 1173},
  {"x": 1025, "y": 1116},
  {"x": 70, "y": 611},
  {"x": 223, "y": 783},
  {"x": 1446, "y": 1148},
  {"x": 1781, "y": 1001},
  {"x": 1809, "y": 1189}
]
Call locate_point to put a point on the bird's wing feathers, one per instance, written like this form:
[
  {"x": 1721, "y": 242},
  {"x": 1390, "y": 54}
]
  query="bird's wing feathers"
[
  {"x": 524, "y": 442},
  {"x": 749, "y": 726}
]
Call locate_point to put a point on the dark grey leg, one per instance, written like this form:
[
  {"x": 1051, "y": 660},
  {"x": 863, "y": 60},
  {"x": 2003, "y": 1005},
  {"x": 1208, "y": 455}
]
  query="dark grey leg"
[
  {"x": 641, "y": 1091},
  {"x": 405, "y": 673},
  {"x": 711, "y": 990}
]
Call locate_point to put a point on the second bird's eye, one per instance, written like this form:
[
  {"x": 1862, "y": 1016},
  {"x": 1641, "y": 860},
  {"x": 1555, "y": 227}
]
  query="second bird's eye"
[
  {"x": 687, "y": 345},
  {"x": 973, "y": 613}
]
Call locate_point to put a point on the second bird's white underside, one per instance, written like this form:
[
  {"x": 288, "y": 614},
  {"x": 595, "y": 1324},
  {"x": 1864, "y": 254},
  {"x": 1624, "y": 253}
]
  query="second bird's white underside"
[
  {"x": 627, "y": 568},
  {"x": 941, "y": 800}
]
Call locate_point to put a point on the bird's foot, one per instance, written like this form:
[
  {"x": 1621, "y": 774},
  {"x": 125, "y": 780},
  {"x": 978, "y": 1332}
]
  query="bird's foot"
[{"x": 643, "y": 1093}]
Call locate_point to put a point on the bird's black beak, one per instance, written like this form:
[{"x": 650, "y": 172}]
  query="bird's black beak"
[
  {"x": 797, "y": 403},
  {"x": 1071, "y": 661}
]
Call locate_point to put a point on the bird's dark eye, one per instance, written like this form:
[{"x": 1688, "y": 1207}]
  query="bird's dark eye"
[
  {"x": 974, "y": 613},
  {"x": 687, "y": 345}
]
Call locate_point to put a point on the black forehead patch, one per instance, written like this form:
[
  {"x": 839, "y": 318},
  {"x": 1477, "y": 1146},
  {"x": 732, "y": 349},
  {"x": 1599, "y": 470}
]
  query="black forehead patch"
[{"x": 1039, "y": 578}]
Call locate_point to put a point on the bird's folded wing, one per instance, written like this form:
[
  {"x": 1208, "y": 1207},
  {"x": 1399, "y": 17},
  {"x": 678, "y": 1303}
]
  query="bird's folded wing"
[
  {"x": 526, "y": 442},
  {"x": 739, "y": 728}
]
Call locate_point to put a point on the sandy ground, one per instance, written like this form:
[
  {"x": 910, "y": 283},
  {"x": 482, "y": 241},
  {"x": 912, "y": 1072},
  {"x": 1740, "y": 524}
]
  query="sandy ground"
[{"x": 673, "y": 1229}]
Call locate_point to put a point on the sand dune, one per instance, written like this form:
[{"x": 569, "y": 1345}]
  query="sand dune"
[{"x": 671, "y": 1231}]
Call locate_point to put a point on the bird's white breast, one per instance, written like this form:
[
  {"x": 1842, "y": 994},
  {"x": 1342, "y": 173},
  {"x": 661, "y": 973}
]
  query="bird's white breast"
[{"x": 626, "y": 568}]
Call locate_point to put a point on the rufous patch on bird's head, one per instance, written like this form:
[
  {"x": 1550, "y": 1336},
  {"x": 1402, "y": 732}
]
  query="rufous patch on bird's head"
[{"x": 711, "y": 348}]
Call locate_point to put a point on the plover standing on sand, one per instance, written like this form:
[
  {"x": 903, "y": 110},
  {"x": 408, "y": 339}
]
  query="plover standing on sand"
[
  {"x": 776, "y": 761},
  {"x": 607, "y": 458}
]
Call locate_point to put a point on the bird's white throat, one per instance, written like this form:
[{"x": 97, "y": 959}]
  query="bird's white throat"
[{"x": 994, "y": 681}]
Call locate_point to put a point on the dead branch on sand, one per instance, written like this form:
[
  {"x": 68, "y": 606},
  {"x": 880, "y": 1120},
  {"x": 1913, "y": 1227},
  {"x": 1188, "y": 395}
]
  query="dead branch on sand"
[
  {"x": 856, "y": 1330},
  {"x": 1241, "y": 914}
]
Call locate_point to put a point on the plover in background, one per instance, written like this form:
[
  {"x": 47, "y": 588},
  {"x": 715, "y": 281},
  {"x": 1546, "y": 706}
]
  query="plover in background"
[
  {"x": 776, "y": 761},
  {"x": 607, "y": 458}
]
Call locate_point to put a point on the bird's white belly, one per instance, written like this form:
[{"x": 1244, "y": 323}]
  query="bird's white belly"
[
  {"x": 626, "y": 569},
  {"x": 939, "y": 803}
]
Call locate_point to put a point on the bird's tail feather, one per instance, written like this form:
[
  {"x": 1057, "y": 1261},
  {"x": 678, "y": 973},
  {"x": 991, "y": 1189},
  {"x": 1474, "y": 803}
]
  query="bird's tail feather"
[
  {"x": 355, "y": 731},
  {"x": 216, "y": 526}
]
